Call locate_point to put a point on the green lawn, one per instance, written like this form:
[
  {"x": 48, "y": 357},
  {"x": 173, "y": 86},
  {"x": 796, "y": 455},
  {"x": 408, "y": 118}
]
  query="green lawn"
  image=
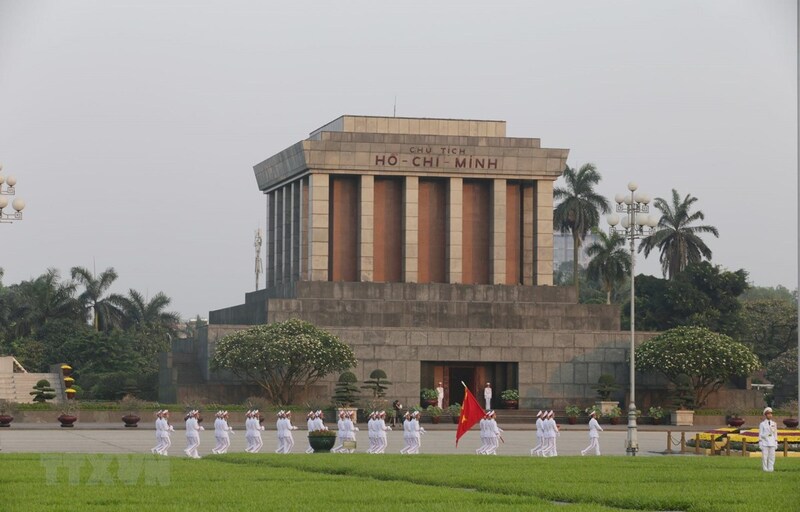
[{"x": 394, "y": 482}]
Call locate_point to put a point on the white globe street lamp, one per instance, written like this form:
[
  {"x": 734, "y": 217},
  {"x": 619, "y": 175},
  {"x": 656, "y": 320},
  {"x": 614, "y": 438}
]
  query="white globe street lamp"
[
  {"x": 636, "y": 223},
  {"x": 9, "y": 190}
]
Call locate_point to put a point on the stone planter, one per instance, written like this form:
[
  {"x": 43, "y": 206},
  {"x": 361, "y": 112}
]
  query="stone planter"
[
  {"x": 735, "y": 422},
  {"x": 510, "y": 404},
  {"x": 131, "y": 420},
  {"x": 67, "y": 420},
  {"x": 455, "y": 419},
  {"x": 5, "y": 420},
  {"x": 572, "y": 420},
  {"x": 436, "y": 419},
  {"x": 790, "y": 422},
  {"x": 321, "y": 444},
  {"x": 682, "y": 418},
  {"x": 606, "y": 407}
]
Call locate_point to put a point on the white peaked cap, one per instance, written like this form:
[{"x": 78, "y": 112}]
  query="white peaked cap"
[
  {"x": 768, "y": 409},
  {"x": 539, "y": 414}
]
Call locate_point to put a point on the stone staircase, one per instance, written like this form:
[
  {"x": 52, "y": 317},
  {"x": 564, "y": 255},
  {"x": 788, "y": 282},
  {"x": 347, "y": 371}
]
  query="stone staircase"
[{"x": 16, "y": 387}]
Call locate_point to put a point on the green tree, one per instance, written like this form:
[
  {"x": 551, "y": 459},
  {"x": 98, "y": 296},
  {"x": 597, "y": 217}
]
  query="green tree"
[
  {"x": 378, "y": 383},
  {"x": 610, "y": 262},
  {"x": 709, "y": 359},
  {"x": 42, "y": 391},
  {"x": 29, "y": 305},
  {"x": 676, "y": 237},
  {"x": 769, "y": 327},
  {"x": 137, "y": 312},
  {"x": 782, "y": 372},
  {"x": 345, "y": 393},
  {"x": 779, "y": 293},
  {"x": 579, "y": 209},
  {"x": 104, "y": 314},
  {"x": 282, "y": 357},
  {"x": 702, "y": 295}
]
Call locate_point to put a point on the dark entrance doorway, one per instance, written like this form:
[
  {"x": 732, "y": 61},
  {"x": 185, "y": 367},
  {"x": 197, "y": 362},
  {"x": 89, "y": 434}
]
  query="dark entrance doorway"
[
  {"x": 459, "y": 374},
  {"x": 474, "y": 374}
]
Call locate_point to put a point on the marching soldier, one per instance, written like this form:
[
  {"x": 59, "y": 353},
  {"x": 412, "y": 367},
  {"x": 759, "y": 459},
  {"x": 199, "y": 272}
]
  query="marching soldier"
[
  {"x": 382, "y": 429},
  {"x": 407, "y": 435},
  {"x": 537, "y": 450},
  {"x": 193, "y": 430},
  {"x": 594, "y": 435}
]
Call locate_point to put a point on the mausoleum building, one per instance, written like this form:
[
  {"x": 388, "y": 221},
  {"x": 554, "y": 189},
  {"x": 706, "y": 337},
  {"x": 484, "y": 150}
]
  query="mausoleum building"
[{"x": 427, "y": 245}]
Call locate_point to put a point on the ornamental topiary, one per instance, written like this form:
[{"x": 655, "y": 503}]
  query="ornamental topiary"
[
  {"x": 709, "y": 359},
  {"x": 42, "y": 391}
]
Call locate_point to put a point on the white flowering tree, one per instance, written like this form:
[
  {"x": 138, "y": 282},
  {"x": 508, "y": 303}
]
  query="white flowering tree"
[
  {"x": 708, "y": 358},
  {"x": 283, "y": 357}
]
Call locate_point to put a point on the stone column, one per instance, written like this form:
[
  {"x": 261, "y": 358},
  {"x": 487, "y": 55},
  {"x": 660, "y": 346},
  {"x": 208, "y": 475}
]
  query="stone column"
[
  {"x": 279, "y": 241},
  {"x": 367, "y": 233},
  {"x": 269, "y": 238},
  {"x": 411, "y": 229},
  {"x": 528, "y": 215},
  {"x": 455, "y": 226},
  {"x": 544, "y": 233},
  {"x": 499, "y": 194},
  {"x": 318, "y": 192}
]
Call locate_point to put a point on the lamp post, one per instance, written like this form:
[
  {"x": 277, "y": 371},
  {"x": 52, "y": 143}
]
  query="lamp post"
[
  {"x": 18, "y": 204},
  {"x": 636, "y": 223}
]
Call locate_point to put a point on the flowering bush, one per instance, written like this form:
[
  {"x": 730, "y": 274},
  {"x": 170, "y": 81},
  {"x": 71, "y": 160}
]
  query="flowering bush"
[
  {"x": 282, "y": 357},
  {"x": 708, "y": 358}
]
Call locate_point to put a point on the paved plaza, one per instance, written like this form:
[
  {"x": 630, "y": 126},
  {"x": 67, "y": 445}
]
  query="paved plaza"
[{"x": 107, "y": 438}]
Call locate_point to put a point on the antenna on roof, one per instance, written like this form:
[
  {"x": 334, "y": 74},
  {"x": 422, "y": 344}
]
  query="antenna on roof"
[{"x": 395, "y": 106}]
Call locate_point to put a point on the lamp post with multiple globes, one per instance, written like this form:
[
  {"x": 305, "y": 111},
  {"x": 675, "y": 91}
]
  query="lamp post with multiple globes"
[
  {"x": 635, "y": 223},
  {"x": 9, "y": 190}
]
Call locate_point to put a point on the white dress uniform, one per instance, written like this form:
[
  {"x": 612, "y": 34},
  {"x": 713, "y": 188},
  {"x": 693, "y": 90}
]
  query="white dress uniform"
[
  {"x": 311, "y": 424},
  {"x": 439, "y": 396},
  {"x": 768, "y": 442},
  {"x": 494, "y": 432},
  {"x": 249, "y": 432},
  {"x": 349, "y": 433},
  {"x": 339, "y": 434},
  {"x": 372, "y": 435},
  {"x": 227, "y": 430},
  {"x": 159, "y": 440},
  {"x": 482, "y": 426},
  {"x": 487, "y": 396},
  {"x": 217, "y": 433},
  {"x": 193, "y": 429},
  {"x": 548, "y": 436},
  {"x": 594, "y": 437},
  {"x": 407, "y": 435},
  {"x": 537, "y": 450},
  {"x": 257, "y": 428},
  {"x": 288, "y": 437},
  {"x": 383, "y": 442},
  {"x": 417, "y": 431},
  {"x": 166, "y": 433}
]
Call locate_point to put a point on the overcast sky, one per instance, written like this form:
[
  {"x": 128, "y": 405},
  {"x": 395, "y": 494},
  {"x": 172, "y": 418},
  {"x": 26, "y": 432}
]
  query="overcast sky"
[{"x": 132, "y": 127}]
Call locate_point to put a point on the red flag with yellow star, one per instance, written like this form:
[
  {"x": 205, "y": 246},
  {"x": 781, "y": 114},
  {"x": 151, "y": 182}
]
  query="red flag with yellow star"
[{"x": 471, "y": 413}]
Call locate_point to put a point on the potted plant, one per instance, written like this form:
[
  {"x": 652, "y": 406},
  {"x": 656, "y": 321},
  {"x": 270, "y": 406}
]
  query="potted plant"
[
  {"x": 131, "y": 404},
  {"x": 68, "y": 416},
  {"x": 656, "y": 415},
  {"x": 733, "y": 416},
  {"x": 428, "y": 396},
  {"x": 791, "y": 422},
  {"x": 6, "y": 412},
  {"x": 455, "y": 412},
  {"x": 42, "y": 391},
  {"x": 346, "y": 393},
  {"x": 605, "y": 387},
  {"x": 683, "y": 398},
  {"x": 613, "y": 415},
  {"x": 377, "y": 383},
  {"x": 322, "y": 440},
  {"x": 572, "y": 412},
  {"x": 510, "y": 398},
  {"x": 435, "y": 413}
]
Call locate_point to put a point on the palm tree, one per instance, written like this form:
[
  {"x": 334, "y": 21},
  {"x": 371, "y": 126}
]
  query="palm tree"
[
  {"x": 677, "y": 240},
  {"x": 32, "y": 304},
  {"x": 137, "y": 311},
  {"x": 578, "y": 212},
  {"x": 610, "y": 261},
  {"x": 104, "y": 314}
]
